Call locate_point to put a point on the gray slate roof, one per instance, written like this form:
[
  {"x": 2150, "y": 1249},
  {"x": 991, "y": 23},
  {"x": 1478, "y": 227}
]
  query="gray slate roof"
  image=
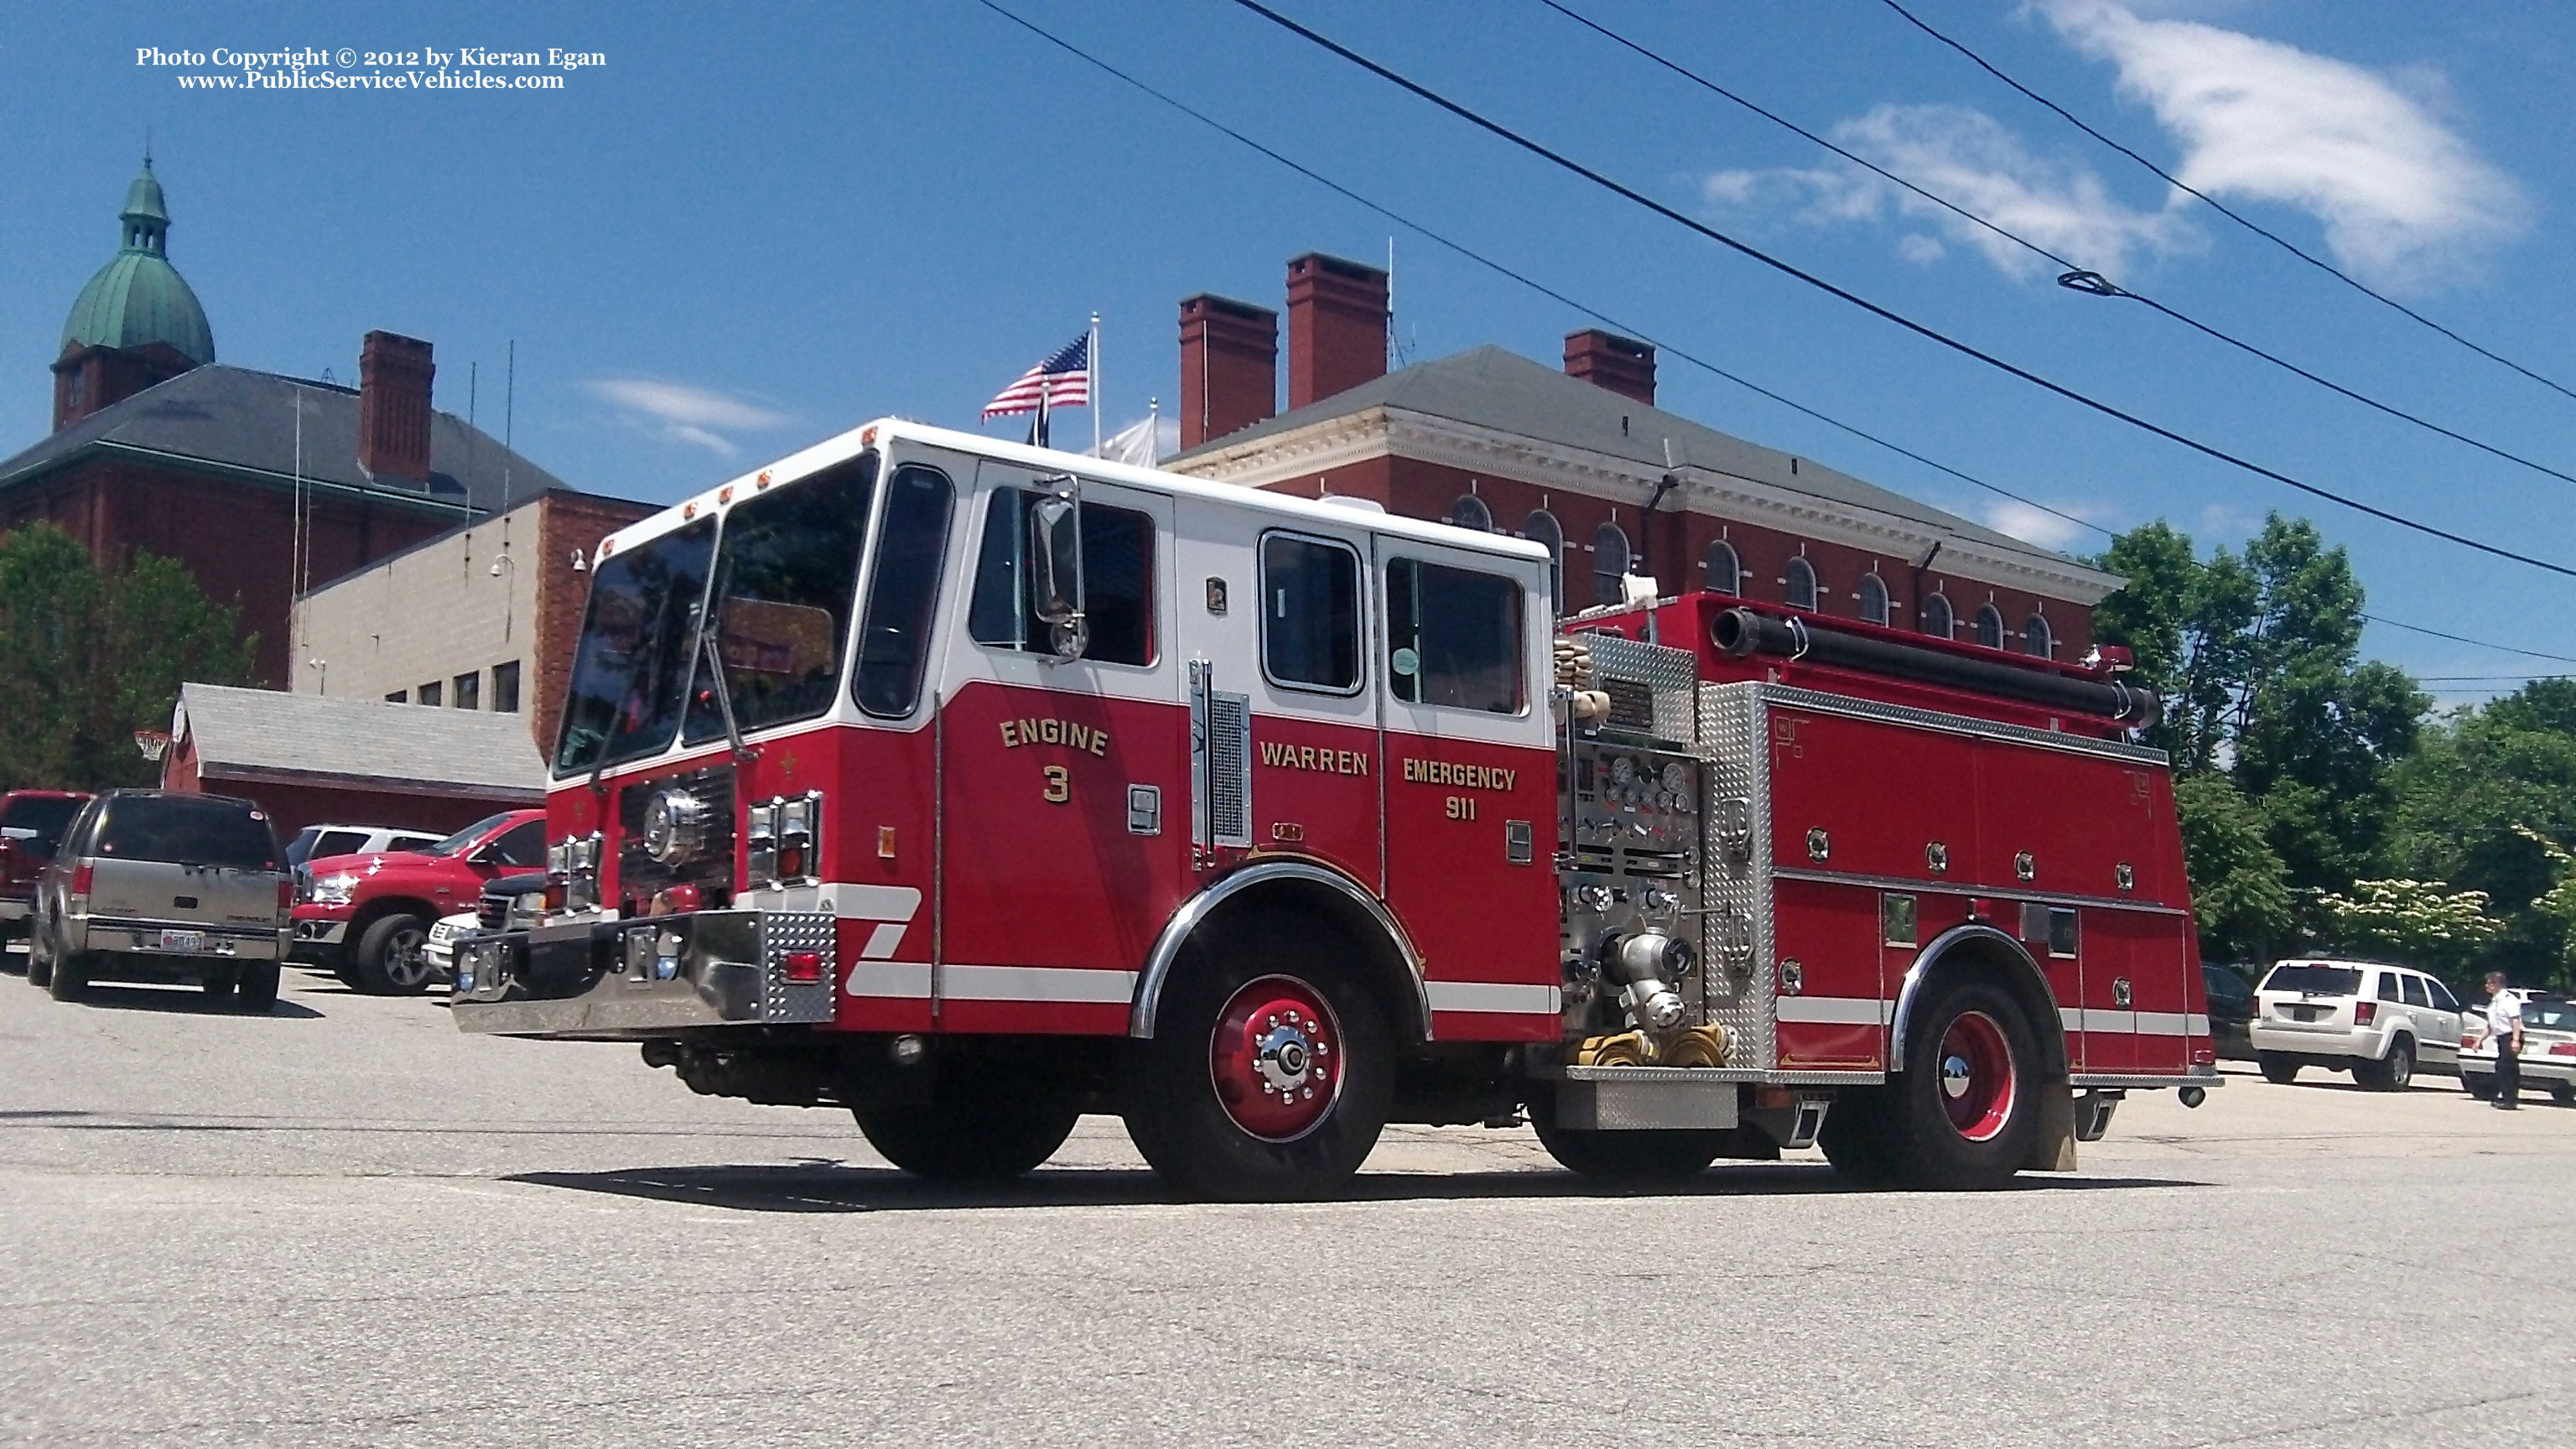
[
  {"x": 1489, "y": 387},
  {"x": 239, "y": 418},
  {"x": 358, "y": 743}
]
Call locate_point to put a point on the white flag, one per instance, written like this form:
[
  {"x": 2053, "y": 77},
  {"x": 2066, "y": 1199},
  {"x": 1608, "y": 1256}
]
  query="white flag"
[{"x": 1131, "y": 445}]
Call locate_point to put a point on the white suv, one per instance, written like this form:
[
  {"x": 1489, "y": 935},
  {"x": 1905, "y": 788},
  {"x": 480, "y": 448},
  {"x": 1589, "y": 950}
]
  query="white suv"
[{"x": 2376, "y": 1021}]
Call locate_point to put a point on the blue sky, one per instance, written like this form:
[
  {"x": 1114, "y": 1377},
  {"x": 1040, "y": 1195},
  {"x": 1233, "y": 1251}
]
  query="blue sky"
[{"x": 756, "y": 226}]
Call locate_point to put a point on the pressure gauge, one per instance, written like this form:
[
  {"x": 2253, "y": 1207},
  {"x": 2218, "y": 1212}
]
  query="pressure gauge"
[
  {"x": 1675, "y": 777},
  {"x": 1622, "y": 770}
]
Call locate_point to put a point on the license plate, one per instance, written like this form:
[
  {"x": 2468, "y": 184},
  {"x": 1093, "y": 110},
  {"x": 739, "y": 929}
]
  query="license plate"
[{"x": 183, "y": 940}]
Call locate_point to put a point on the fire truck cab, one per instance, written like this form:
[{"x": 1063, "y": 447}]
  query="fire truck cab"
[{"x": 972, "y": 786}]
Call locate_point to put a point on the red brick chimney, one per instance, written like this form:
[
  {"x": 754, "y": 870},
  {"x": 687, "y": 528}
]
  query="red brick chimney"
[
  {"x": 1229, "y": 367},
  {"x": 394, "y": 374},
  {"x": 1605, "y": 359},
  {"x": 1336, "y": 327}
]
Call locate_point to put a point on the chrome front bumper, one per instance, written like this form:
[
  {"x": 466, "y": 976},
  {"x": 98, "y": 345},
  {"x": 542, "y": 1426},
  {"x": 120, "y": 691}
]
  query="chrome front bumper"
[{"x": 622, "y": 980}]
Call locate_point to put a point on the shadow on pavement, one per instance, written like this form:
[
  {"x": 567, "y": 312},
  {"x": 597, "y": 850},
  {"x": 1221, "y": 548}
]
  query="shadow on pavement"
[
  {"x": 116, "y": 997},
  {"x": 825, "y": 1187}
]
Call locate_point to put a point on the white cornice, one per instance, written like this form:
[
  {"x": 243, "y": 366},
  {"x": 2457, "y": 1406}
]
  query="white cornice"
[{"x": 1379, "y": 432}]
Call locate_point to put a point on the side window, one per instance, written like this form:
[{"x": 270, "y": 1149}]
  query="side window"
[
  {"x": 1117, "y": 581},
  {"x": 1541, "y": 528},
  {"x": 1470, "y": 512},
  {"x": 1873, "y": 599},
  {"x": 894, "y": 633},
  {"x": 1609, "y": 564},
  {"x": 339, "y": 842},
  {"x": 1310, "y": 613},
  {"x": 1725, "y": 570},
  {"x": 2415, "y": 993},
  {"x": 2443, "y": 1000},
  {"x": 1938, "y": 621},
  {"x": 523, "y": 846},
  {"x": 1453, "y": 637},
  {"x": 2387, "y": 987},
  {"x": 1990, "y": 627},
  {"x": 2037, "y": 638}
]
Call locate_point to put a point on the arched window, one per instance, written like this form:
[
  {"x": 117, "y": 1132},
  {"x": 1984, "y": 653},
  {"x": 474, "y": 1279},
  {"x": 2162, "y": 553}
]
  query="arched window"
[
  {"x": 1541, "y": 528},
  {"x": 2037, "y": 638},
  {"x": 1725, "y": 570},
  {"x": 1873, "y": 599},
  {"x": 1470, "y": 512},
  {"x": 1609, "y": 563},
  {"x": 1799, "y": 588},
  {"x": 1938, "y": 621},
  {"x": 1990, "y": 627}
]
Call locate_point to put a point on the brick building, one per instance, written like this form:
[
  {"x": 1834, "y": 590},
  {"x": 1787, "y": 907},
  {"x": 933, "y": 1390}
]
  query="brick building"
[
  {"x": 1581, "y": 459},
  {"x": 310, "y": 761},
  {"x": 259, "y": 485},
  {"x": 484, "y": 616}
]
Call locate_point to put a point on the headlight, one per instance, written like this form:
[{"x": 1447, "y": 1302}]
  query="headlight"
[{"x": 333, "y": 890}]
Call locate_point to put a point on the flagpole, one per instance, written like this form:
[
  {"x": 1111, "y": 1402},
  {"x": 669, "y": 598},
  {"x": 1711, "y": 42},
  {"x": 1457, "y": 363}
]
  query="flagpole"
[{"x": 1093, "y": 384}]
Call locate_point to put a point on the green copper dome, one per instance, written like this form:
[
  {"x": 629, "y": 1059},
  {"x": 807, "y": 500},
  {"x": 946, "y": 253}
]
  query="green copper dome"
[{"x": 138, "y": 298}]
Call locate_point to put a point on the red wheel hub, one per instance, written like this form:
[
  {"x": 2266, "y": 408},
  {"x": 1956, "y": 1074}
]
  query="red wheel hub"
[
  {"x": 1276, "y": 1058},
  {"x": 1978, "y": 1084}
]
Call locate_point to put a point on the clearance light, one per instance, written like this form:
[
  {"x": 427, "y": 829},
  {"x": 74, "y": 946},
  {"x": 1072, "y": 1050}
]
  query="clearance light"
[{"x": 802, "y": 968}]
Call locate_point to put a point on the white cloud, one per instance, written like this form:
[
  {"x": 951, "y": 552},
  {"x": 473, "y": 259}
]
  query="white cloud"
[
  {"x": 2035, "y": 525},
  {"x": 2403, "y": 199},
  {"x": 694, "y": 415},
  {"x": 1972, "y": 160}
]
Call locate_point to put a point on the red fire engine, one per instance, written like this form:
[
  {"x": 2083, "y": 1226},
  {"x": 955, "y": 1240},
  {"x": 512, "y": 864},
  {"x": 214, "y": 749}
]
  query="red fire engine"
[{"x": 973, "y": 787}]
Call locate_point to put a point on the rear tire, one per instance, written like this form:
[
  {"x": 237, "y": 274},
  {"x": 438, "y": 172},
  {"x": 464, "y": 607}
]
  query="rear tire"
[
  {"x": 2563, "y": 1093},
  {"x": 1667, "y": 1156},
  {"x": 1962, "y": 1114},
  {"x": 40, "y": 962},
  {"x": 257, "y": 993},
  {"x": 389, "y": 961},
  {"x": 981, "y": 1124},
  {"x": 2390, "y": 1073},
  {"x": 2279, "y": 1070},
  {"x": 70, "y": 979},
  {"x": 1270, "y": 1072}
]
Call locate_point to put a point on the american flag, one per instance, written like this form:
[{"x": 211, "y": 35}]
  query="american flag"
[{"x": 1063, "y": 380}]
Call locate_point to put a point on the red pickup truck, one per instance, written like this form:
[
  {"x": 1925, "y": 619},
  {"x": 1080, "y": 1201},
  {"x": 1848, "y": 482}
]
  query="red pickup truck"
[
  {"x": 365, "y": 916},
  {"x": 31, "y": 823}
]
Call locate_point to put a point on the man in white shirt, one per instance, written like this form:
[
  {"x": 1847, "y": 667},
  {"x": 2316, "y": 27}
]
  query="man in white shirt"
[{"x": 2504, "y": 1024}]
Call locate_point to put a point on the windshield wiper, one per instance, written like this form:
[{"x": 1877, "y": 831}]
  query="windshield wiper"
[{"x": 714, "y": 656}]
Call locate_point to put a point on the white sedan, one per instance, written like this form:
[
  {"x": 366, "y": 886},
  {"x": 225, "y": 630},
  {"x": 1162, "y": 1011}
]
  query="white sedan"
[{"x": 2548, "y": 1049}]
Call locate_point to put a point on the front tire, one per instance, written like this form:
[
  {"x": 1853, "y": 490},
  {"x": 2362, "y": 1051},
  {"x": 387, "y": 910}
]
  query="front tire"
[
  {"x": 2279, "y": 1070},
  {"x": 1270, "y": 1074},
  {"x": 389, "y": 960},
  {"x": 1963, "y": 1112},
  {"x": 2563, "y": 1093},
  {"x": 70, "y": 978},
  {"x": 981, "y": 1124}
]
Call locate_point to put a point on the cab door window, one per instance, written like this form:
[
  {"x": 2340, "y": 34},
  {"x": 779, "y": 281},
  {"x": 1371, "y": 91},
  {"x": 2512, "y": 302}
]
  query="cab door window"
[
  {"x": 1453, "y": 637},
  {"x": 894, "y": 634},
  {"x": 1310, "y": 613},
  {"x": 2415, "y": 993},
  {"x": 1117, "y": 582}
]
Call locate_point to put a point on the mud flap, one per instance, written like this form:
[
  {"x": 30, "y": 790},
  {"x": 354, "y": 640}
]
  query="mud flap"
[{"x": 2053, "y": 1150}]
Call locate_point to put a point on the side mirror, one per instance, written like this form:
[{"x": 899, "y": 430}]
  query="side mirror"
[{"x": 1055, "y": 567}]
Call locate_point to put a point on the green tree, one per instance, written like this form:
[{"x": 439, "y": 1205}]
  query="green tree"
[
  {"x": 2483, "y": 806},
  {"x": 87, "y": 659},
  {"x": 2416, "y": 921},
  {"x": 2256, "y": 658}
]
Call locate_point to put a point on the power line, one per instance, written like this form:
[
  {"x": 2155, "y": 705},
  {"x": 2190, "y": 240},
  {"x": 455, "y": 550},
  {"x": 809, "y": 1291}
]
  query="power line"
[
  {"x": 1922, "y": 330},
  {"x": 2221, "y": 208},
  {"x": 1499, "y": 269},
  {"x": 2073, "y": 276}
]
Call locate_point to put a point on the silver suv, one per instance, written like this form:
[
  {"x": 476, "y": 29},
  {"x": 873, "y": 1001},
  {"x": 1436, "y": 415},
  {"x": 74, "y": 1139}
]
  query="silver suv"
[
  {"x": 155, "y": 886},
  {"x": 2377, "y": 1021}
]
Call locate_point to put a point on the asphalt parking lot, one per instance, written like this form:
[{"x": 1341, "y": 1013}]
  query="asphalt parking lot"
[{"x": 344, "y": 1223}]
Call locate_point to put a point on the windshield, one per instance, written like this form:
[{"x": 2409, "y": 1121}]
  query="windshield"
[
  {"x": 47, "y": 815},
  {"x": 786, "y": 573},
  {"x": 188, "y": 829},
  {"x": 2311, "y": 980},
  {"x": 466, "y": 836},
  {"x": 624, "y": 700}
]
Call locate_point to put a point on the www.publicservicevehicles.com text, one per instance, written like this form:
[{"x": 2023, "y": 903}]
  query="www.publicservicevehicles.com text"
[{"x": 471, "y": 67}]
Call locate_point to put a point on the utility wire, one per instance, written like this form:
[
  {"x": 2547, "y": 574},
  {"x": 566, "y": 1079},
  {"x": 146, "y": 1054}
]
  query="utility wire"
[
  {"x": 2072, "y": 276},
  {"x": 1541, "y": 288},
  {"x": 1928, "y": 333},
  {"x": 2222, "y": 208}
]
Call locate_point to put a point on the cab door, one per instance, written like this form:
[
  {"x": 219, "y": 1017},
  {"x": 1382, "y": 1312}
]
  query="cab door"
[
  {"x": 1470, "y": 781},
  {"x": 1059, "y": 854}
]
